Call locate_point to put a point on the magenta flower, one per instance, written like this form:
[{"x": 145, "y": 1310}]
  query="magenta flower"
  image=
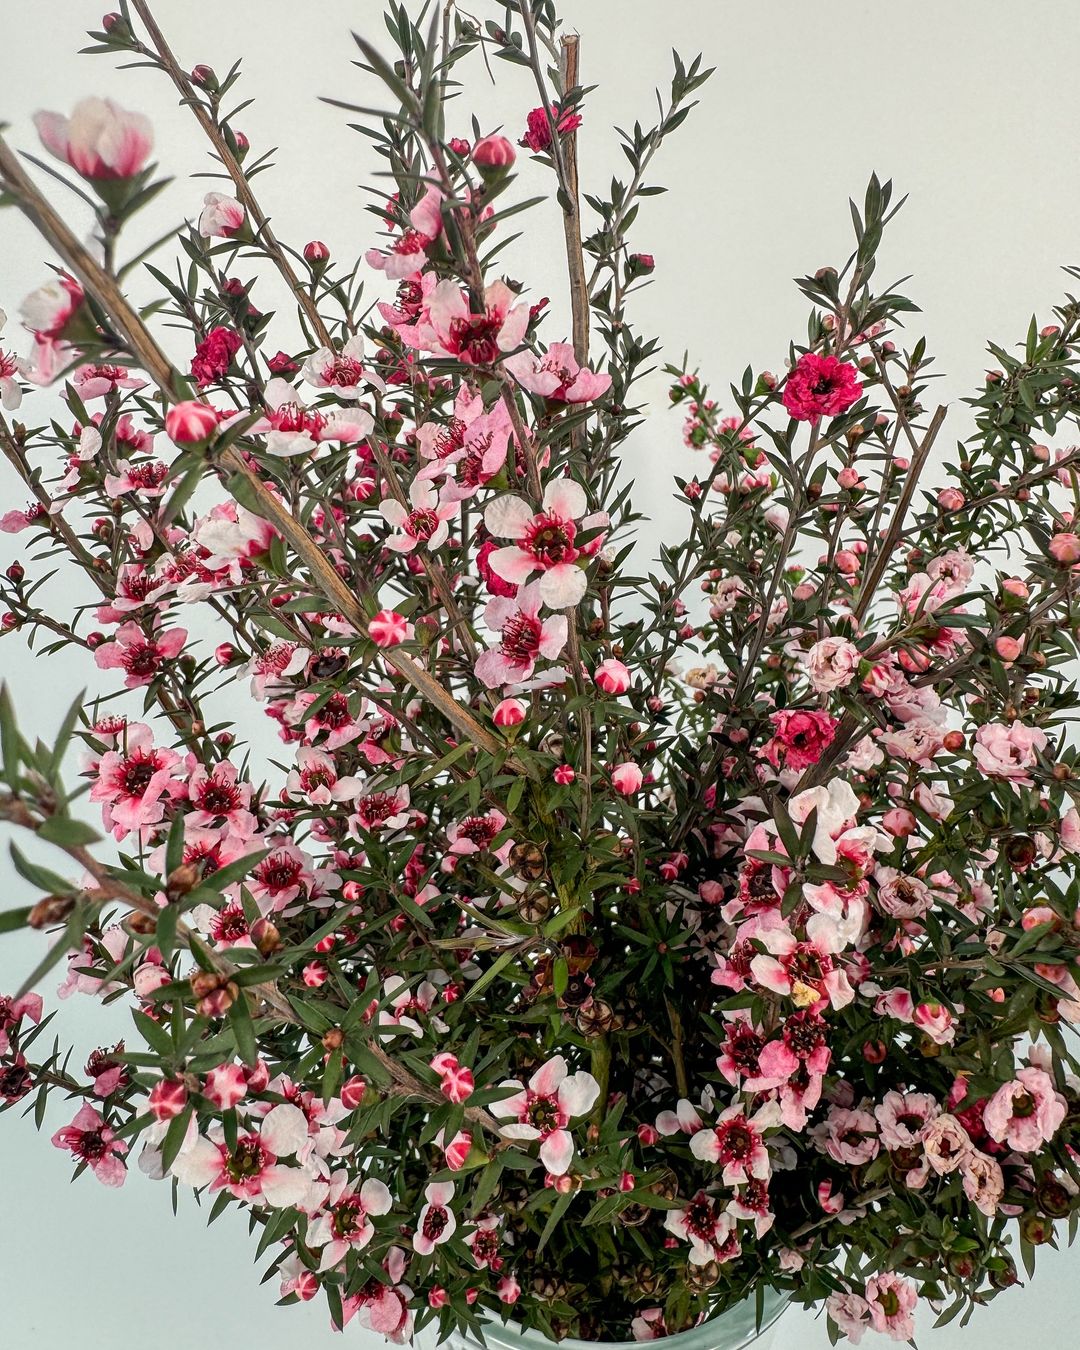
[
  {"x": 820, "y": 386},
  {"x": 12, "y": 1012},
  {"x": 408, "y": 255},
  {"x": 345, "y": 1223},
  {"x": 135, "y": 783},
  {"x": 100, "y": 140},
  {"x": 524, "y": 638},
  {"x": 543, "y": 1110},
  {"x": 92, "y": 1142},
  {"x": 479, "y": 338}
]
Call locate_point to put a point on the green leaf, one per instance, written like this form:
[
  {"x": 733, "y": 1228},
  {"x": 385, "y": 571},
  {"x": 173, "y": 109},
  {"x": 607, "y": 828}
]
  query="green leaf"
[
  {"x": 561, "y": 1205},
  {"x": 40, "y": 877},
  {"x": 68, "y": 832},
  {"x": 244, "y": 1030},
  {"x": 13, "y": 919},
  {"x": 174, "y": 1138}
]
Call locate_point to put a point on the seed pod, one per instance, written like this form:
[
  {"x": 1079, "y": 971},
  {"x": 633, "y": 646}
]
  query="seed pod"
[
  {"x": 596, "y": 1020},
  {"x": 52, "y": 910},
  {"x": 527, "y": 860},
  {"x": 535, "y": 905},
  {"x": 701, "y": 1278}
]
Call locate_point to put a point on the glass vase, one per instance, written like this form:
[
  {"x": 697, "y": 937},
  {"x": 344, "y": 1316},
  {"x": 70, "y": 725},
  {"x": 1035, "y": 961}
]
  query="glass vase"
[{"x": 735, "y": 1329}]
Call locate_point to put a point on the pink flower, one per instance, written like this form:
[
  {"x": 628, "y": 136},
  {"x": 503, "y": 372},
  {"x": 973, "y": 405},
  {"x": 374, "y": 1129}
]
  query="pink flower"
[
  {"x": 983, "y": 1182},
  {"x": 805, "y": 971},
  {"x": 802, "y": 736},
  {"x": 250, "y": 1170},
  {"x": 92, "y": 1142},
  {"x": 139, "y": 656},
  {"x": 191, "y": 423},
  {"x": 388, "y": 628},
  {"x": 10, "y": 371},
  {"x": 709, "y": 1229},
  {"x": 524, "y": 638},
  {"x": 903, "y": 1118},
  {"x": 946, "y": 1144},
  {"x": 851, "y": 1314},
  {"x": 538, "y": 127},
  {"x": 1064, "y": 547},
  {"x": 545, "y": 1108},
  {"x": 820, "y": 386},
  {"x": 213, "y": 356},
  {"x": 167, "y": 1099},
  {"x": 891, "y": 1302},
  {"x": 936, "y": 1021},
  {"x": 1009, "y": 752},
  {"x": 12, "y": 1011},
  {"x": 278, "y": 663},
  {"x": 556, "y": 375},
  {"x": 478, "y": 338},
  {"x": 848, "y": 1136},
  {"x": 408, "y": 256},
  {"x": 135, "y": 783},
  {"x": 100, "y": 140},
  {"x": 222, "y": 216},
  {"x": 436, "y": 1222},
  {"x": 831, "y": 664},
  {"x": 98, "y": 381},
  {"x": 544, "y": 541},
  {"x": 627, "y": 778},
  {"x": 345, "y": 1224},
  {"x": 1026, "y": 1113},
  {"x": 736, "y": 1143},
  {"x": 427, "y": 523},
  {"x": 342, "y": 372}
]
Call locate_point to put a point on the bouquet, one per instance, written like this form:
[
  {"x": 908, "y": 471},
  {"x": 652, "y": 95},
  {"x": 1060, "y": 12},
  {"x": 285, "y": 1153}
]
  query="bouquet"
[{"x": 598, "y": 941}]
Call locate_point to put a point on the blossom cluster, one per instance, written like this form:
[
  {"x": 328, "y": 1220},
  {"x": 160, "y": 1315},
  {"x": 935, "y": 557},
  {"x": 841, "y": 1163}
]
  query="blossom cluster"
[{"x": 593, "y": 950}]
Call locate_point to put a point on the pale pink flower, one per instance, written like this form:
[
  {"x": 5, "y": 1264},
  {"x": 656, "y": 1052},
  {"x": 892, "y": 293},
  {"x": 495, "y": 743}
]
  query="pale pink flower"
[
  {"x": 1009, "y": 752},
  {"x": 251, "y": 1170},
  {"x": 12, "y": 1011},
  {"x": 436, "y": 1222},
  {"x": 891, "y": 1301},
  {"x": 709, "y": 1229},
  {"x": 342, "y": 372},
  {"x": 848, "y": 1136},
  {"x": 831, "y": 664},
  {"x": 555, "y": 374},
  {"x": 946, "y": 1144},
  {"x": 1026, "y": 1113},
  {"x": 98, "y": 381},
  {"x": 100, "y": 140},
  {"x": 315, "y": 780},
  {"x": 345, "y": 1223},
  {"x": 10, "y": 370},
  {"x": 94, "y": 1143},
  {"x": 524, "y": 637},
  {"x": 543, "y": 1110},
  {"x": 737, "y": 1144},
  {"x": 272, "y": 667},
  {"x": 983, "y": 1182},
  {"x": 851, "y": 1314},
  {"x": 903, "y": 1118},
  {"x": 543, "y": 541},
  {"x": 427, "y": 523},
  {"x": 140, "y": 656},
  {"x": 626, "y": 778}
]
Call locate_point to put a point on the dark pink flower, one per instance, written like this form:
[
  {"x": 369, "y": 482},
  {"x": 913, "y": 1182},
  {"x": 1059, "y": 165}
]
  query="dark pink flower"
[
  {"x": 820, "y": 386},
  {"x": 91, "y": 1141}
]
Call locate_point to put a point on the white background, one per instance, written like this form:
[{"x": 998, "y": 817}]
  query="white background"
[{"x": 969, "y": 106}]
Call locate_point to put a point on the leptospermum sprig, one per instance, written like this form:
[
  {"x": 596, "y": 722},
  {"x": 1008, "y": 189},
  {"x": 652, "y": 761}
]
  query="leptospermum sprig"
[{"x": 605, "y": 948}]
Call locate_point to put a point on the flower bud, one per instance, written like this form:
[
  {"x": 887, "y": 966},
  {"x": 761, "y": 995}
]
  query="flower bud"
[
  {"x": 494, "y": 156},
  {"x": 509, "y": 713},
  {"x": 167, "y": 1099},
  {"x": 191, "y": 423},
  {"x": 225, "y": 654},
  {"x": 316, "y": 253},
  {"x": 352, "y": 1092},
  {"x": 52, "y": 910}
]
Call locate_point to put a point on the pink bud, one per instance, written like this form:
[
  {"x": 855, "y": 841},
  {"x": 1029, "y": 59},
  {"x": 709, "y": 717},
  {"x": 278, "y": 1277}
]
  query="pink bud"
[
  {"x": 111, "y": 21},
  {"x": 627, "y": 1181},
  {"x": 352, "y": 1092},
  {"x": 388, "y": 628},
  {"x": 315, "y": 974},
  {"x": 494, "y": 153},
  {"x": 1008, "y": 648},
  {"x": 509, "y": 713},
  {"x": 564, "y": 775},
  {"x": 951, "y": 499},
  {"x": 225, "y": 654},
  {"x": 848, "y": 479},
  {"x": 438, "y": 1297},
  {"x": 1065, "y": 548},
  {"x": 612, "y": 677},
  {"x": 204, "y": 77},
  {"x": 191, "y": 423},
  {"x": 225, "y": 1086},
  {"x": 641, "y": 263},
  {"x": 1014, "y": 586},
  {"x": 167, "y": 1098},
  {"x": 648, "y": 1135},
  {"x": 316, "y": 252},
  {"x": 899, "y": 822},
  {"x": 626, "y": 778}
]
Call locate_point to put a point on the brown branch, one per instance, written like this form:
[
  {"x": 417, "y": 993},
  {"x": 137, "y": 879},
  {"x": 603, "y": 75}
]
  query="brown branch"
[
  {"x": 264, "y": 234},
  {"x": 575, "y": 257},
  {"x": 142, "y": 344}
]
